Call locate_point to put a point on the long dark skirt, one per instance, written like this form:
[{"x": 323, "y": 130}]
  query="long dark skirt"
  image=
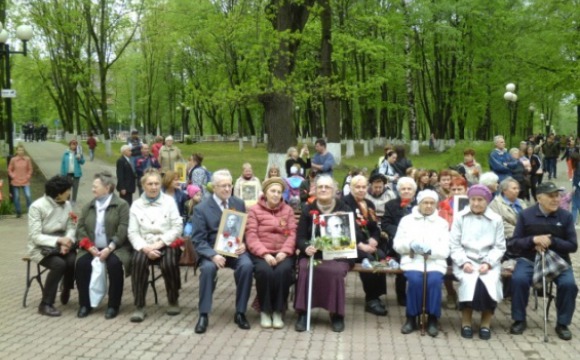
[
  {"x": 328, "y": 286},
  {"x": 482, "y": 301}
]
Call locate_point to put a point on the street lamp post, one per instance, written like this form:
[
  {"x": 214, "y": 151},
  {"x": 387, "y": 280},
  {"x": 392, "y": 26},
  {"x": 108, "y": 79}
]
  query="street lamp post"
[
  {"x": 24, "y": 33},
  {"x": 510, "y": 97}
]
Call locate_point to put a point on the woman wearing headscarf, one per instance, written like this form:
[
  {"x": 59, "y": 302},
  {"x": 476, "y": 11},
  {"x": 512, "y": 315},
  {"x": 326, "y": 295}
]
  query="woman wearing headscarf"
[{"x": 477, "y": 246}]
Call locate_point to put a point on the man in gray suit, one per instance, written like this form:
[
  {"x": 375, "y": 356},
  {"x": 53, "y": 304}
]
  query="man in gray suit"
[{"x": 206, "y": 220}]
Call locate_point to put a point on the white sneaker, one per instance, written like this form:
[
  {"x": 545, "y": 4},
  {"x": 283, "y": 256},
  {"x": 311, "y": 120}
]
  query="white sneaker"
[
  {"x": 277, "y": 320},
  {"x": 265, "y": 320}
]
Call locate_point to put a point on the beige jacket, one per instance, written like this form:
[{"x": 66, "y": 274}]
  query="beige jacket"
[
  {"x": 508, "y": 215},
  {"x": 48, "y": 221},
  {"x": 168, "y": 156}
]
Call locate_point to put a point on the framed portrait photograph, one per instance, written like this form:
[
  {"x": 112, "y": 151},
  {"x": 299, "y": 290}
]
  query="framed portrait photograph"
[
  {"x": 181, "y": 169},
  {"x": 230, "y": 233},
  {"x": 250, "y": 193},
  {"x": 339, "y": 228},
  {"x": 459, "y": 203}
]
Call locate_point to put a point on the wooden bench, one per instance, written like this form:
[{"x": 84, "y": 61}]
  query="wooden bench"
[{"x": 30, "y": 278}]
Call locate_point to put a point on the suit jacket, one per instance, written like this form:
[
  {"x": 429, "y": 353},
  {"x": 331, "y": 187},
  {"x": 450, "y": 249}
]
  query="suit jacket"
[
  {"x": 126, "y": 177},
  {"x": 206, "y": 221}
]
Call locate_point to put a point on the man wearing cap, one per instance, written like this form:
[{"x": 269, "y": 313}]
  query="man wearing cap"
[
  {"x": 206, "y": 221},
  {"x": 544, "y": 226},
  {"x": 423, "y": 241}
]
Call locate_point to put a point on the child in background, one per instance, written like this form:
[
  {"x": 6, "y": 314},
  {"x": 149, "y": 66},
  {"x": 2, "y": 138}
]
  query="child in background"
[{"x": 194, "y": 193}]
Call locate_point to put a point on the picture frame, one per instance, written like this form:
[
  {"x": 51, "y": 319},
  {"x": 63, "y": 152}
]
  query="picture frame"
[
  {"x": 250, "y": 193},
  {"x": 459, "y": 203},
  {"x": 339, "y": 226},
  {"x": 230, "y": 232},
  {"x": 181, "y": 169}
]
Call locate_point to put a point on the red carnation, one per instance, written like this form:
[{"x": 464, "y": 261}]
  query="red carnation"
[
  {"x": 314, "y": 212},
  {"x": 363, "y": 222},
  {"x": 74, "y": 218},
  {"x": 86, "y": 243},
  {"x": 177, "y": 243},
  {"x": 322, "y": 223}
]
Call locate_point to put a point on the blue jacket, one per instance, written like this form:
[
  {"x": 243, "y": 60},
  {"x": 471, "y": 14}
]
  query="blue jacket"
[
  {"x": 501, "y": 163},
  {"x": 64, "y": 170},
  {"x": 558, "y": 224}
]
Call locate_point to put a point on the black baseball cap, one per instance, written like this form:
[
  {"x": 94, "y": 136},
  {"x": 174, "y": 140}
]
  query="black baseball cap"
[{"x": 547, "y": 188}]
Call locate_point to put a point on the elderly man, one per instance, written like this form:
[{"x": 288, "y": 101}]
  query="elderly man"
[
  {"x": 323, "y": 161},
  {"x": 508, "y": 206},
  {"x": 144, "y": 162},
  {"x": 395, "y": 210},
  {"x": 206, "y": 220},
  {"x": 544, "y": 226},
  {"x": 500, "y": 161},
  {"x": 51, "y": 234},
  {"x": 126, "y": 175},
  {"x": 423, "y": 241}
]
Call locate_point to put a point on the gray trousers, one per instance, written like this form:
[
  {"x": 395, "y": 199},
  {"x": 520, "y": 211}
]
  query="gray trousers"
[{"x": 243, "y": 270}]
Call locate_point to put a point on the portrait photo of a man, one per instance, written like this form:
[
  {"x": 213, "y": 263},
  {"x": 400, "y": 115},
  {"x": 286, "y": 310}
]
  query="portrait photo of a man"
[{"x": 230, "y": 233}]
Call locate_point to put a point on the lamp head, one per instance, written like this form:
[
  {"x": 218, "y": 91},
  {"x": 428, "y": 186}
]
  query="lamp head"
[{"x": 24, "y": 32}]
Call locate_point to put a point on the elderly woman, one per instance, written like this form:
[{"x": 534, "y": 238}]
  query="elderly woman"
[
  {"x": 70, "y": 166},
  {"x": 491, "y": 181},
  {"x": 472, "y": 167},
  {"x": 172, "y": 187},
  {"x": 247, "y": 178},
  {"x": 271, "y": 240},
  {"x": 51, "y": 234},
  {"x": 477, "y": 245},
  {"x": 508, "y": 206},
  {"x": 154, "y": 225},
  {"x": 197, "y": 174},
  {"x": 395, "y": 210},
  {"x": 423, "y": 241},
  {"x": 372, "y": 247},
  {"x": 169, "y": 155},
  {"x": 102, "y": 231},
  {"x": 295, "y": 158},
  {"x": 329, "y": 276}
]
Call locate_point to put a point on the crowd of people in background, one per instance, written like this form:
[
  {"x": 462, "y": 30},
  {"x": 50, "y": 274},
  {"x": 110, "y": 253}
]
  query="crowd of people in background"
[{"x": 423, "y": 220}]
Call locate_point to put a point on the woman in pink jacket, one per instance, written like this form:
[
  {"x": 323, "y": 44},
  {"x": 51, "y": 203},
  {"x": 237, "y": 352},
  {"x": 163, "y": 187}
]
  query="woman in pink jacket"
[
  {"x": 20, "y": 172},
  {"x": 271, "y": 240}
]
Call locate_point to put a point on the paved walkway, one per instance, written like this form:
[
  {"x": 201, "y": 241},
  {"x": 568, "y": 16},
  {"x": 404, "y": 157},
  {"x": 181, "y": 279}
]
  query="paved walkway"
[{"x": 26, "y": 335}]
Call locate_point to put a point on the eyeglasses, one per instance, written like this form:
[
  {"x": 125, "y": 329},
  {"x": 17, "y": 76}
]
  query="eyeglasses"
[{"x": 224, "y": 186}]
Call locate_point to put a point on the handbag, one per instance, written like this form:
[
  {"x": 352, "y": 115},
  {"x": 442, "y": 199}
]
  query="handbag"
[
  {"x": 554, "y": 266},
  {"x": 98, "y": 284},
  {"x": 188, "y": 255}
]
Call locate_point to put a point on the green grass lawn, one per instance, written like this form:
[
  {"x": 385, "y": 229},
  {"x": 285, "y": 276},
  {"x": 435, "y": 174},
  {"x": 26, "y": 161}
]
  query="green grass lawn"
[{"x": 227, "y": 155}]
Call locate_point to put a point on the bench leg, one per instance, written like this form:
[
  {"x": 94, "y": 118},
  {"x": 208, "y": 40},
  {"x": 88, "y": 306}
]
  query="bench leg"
[
  {"x": 28, "y": 282},
  {"x": 152, "y": 282}
]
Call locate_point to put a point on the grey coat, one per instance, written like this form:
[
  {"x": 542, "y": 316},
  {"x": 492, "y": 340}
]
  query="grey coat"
[{"x": 116, "y": 225}]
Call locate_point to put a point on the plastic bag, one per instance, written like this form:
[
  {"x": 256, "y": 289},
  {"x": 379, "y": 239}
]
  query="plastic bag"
[{"x": 98, "y": 284}]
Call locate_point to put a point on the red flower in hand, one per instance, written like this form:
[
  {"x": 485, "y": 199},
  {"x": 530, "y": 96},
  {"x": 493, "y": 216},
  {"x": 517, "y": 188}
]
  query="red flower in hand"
[
  {"x": 74, "y": 218},
  {"x": 322, "y": 223},
  {"x": 226, "y": 234},
  {"x": 363, "y": 222},
  {"x": 177, "y": 243},
  {"x": 314, "y": 212},
  {"x": 315, "y": 221},
  {"x": 86, "y": 243}
]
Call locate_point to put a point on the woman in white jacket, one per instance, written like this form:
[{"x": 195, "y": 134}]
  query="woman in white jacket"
[
  {"x": 422, "y": 238},
  {"x": 477, "y": 246}
]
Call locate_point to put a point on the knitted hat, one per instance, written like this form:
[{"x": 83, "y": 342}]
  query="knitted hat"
[
  {"x": 271, "y": 181},
  {"x": 192, "y": 190},
  {"x": 480, "y": 190},
  {"x": 427, "y": 194}
]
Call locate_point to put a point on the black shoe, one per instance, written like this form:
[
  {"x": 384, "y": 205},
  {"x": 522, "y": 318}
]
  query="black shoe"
[
  {"x": 432, "y": 328},
  {"x": 48, "y": 310},
  {"x": 84, "y": 311},
  {"x": 518, "y": 327},
  {"x": 484, "y": 333},
  {"x": 563, "y": 332},
  {"x": 409, "y": 326},
  {"x": 240, "y": 319},
  {"x": 111, "y": 313},
  {"x": 466, "y": 332},
  {"x": 375, "y": 307},
  {"x": 300, "y": 325},
  {"x": 337, "y": 322},
  {"x": 64, "y": 295},
  {"x": 202, "y": 323}
]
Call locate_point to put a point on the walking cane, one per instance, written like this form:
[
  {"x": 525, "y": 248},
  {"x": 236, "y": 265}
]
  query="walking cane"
[
  {"x": 423, "y": 317},
  {"x": 309, "y": 307},
  {"x": 544, "y": 295}
]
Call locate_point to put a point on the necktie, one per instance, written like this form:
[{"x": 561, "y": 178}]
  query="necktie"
[{"x": 224, "y": 205}]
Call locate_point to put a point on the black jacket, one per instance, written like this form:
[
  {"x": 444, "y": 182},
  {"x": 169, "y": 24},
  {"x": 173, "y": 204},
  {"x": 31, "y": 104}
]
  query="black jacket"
[{"x": 126, "y": 176}]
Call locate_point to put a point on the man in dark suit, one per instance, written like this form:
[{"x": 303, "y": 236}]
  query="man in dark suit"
[
  {"x": 126, "y": 175},
  {"x": 206, "y": 220}
]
